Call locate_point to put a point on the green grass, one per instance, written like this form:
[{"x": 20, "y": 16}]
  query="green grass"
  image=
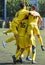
[{"x": 6, "y": 53}]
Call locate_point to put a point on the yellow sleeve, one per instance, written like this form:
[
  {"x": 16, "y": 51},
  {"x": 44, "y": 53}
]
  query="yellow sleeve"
[
  {"x": 18, "y": 18},
  {"x": 22, "y": 14},
  {"x": 14, "y": 24},
  {"x": 13, "y": 27}
]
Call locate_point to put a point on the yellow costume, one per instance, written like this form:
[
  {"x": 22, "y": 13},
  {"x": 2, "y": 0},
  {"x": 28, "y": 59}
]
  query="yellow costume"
[
  {"x": 9, "y": 31},
  {"x": 33, "y": 29},
  {"x": 21, "y": 23},
  {"x": 22, "y": 14}
]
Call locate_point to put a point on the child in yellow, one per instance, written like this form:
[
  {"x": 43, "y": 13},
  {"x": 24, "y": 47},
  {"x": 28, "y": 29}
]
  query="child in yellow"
[
  {"x": 17, "y": 22},
  {"x": 21, "y": 23},
  {"x": 33, "y": 29},
  {"x": 9, "y": 31}
]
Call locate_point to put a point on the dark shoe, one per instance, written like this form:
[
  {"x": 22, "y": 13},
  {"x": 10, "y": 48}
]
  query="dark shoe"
[
  {"x": 20, "y": 59},
  {"x": 29, "y": 59},
  {"x": 34, "y": 62},
  {"x": 42, "y": 47},
  {"x": 14, "y": 59}
]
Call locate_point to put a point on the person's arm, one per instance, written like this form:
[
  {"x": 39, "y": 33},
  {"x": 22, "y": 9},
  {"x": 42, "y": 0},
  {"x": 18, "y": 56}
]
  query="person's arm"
[
  {"x": 40, "y": 21},
  {"x": 34, "y": 13}
]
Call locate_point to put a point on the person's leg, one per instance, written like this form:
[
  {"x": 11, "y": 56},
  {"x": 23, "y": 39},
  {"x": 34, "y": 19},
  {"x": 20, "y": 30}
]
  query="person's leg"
[
  {"x": 8, "y": 31},
  {"x": 10, "y": 39},
  {"x": 16, "y": 58},
  {"x": 34, "y": 51},
  {"x": 33, "y": 54},
  {"x": 20, "y": 47},
  {"x": 31, "y": 41},
  {"x": 7, "y": 41},
  {"x": 37, "y": 33}
]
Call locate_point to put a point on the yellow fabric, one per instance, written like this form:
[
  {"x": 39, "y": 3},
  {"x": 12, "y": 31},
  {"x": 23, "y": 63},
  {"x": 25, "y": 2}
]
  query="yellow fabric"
[
  {"x": 8, "y": 31},
  {"x": 21, "y": 15},
  {"x": 40, "y": 40},
  {"x": 21, "y": 42},
  {"x": 10, "y": 39},
  {"x": 33, "y": 19},
  {"x": 34, "y": 55},
  {"x": 37, "y": 32},
  {"x": 13, "y": 28},
  {"x": 22, "y": 27},
  {"x": 17, "y": 55},
  {"x": 31, "y": 30},
  {"x": 29, "y": 51}
]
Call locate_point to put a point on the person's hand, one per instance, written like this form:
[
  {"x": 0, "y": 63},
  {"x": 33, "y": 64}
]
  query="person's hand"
[{"x": 16, "y": 36}]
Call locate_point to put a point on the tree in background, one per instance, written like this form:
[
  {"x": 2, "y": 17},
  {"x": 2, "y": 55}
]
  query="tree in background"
[
  {"x": 2, "y": 9},
  {"x": 13, "y": 6},
  {"x": 42, "y": 7}
]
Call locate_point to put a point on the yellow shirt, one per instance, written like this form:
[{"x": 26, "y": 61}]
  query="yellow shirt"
[
  {"x": 22, "y": 27},
  {"x": 20, "y": 15},
  {"x": 33, "y": 19}
]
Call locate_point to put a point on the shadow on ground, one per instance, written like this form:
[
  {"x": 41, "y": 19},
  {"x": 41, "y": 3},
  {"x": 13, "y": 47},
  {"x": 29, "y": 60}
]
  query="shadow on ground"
[{"x": 16, "y": 64}]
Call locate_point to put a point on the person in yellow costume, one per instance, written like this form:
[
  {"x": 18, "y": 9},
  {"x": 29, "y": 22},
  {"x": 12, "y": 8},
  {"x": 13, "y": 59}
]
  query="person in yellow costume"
[
  {"x": 21, "y": 28},
  {"x": 17, "y": 22},
  {"x": 21, "y": 23},
  {"x": 22, "y": 36},
  {"x": 9, "y": 31},
  {"x": 29, "y": 48},
  {"x": 9, "y": 39},
  {"x": 33, "y": 29}
]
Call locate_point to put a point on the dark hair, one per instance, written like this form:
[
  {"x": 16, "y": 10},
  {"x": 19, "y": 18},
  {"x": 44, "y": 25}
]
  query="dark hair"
[
  {"x": 33, "y": 7},
  {"x": 22, "y": 5}
]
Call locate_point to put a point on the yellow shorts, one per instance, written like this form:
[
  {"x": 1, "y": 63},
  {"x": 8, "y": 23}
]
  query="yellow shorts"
[
  {"x": 36, "y": 30},
  {"x": 33, "y": 29},
  {"x": 21, "y": 42},
  {"x": 26, "y": 41}
]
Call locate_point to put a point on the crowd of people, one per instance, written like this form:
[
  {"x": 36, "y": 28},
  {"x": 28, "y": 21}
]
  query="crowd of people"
[{"x": 24, "y": 26}]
